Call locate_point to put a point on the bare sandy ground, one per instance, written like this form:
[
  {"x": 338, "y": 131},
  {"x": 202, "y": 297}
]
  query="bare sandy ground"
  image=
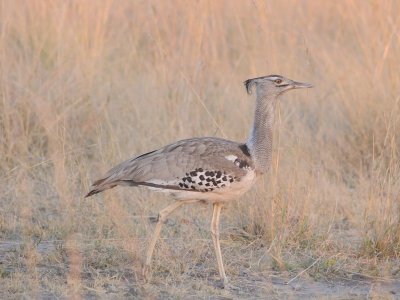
[{"x": 197, "y": 283}]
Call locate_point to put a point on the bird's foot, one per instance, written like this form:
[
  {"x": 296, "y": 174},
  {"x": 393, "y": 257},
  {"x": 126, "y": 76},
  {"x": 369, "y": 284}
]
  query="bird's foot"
[
  {"x": 223, "y": 283},
  {"x": 146, "y": 272},
  {"x": 227, "y": 285}
]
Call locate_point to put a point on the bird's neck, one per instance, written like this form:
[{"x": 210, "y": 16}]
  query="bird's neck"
[{"x": 260, "y": 140}]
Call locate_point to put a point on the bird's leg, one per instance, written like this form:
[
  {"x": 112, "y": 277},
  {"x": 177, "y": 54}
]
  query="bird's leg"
[
  {"x": 162, "y": 216},
  {"x": 215, "y": 237}
]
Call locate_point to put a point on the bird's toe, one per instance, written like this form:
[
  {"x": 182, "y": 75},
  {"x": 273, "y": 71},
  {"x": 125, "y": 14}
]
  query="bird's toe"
[{"x": 146, "y": 272}]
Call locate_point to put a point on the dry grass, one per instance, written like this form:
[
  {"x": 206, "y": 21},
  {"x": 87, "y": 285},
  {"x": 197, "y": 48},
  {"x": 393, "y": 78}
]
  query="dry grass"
[{"x": 86, "y": 84}]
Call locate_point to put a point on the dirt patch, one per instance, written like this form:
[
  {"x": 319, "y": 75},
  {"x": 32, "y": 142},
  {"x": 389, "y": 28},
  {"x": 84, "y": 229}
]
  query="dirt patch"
[{"x": 51, "y": 280}]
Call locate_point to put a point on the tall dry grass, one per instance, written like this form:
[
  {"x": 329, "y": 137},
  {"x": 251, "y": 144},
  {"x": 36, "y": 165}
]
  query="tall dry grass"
[{"x": 86, "y": 84}]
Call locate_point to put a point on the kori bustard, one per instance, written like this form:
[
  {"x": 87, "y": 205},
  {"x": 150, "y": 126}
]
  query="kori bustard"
[{"x": 208, "y": 169}]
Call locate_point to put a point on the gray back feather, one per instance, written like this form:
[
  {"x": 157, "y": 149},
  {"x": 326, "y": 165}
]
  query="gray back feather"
[{"x": 174, "y": 161}]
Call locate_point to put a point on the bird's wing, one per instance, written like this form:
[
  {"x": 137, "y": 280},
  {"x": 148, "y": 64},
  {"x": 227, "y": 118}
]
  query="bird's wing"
[{"x": 197, "y": 164}]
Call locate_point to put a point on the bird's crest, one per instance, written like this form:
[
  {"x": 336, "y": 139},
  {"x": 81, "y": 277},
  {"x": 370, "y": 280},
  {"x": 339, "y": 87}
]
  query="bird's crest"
[{"x": 249, "y": 83}]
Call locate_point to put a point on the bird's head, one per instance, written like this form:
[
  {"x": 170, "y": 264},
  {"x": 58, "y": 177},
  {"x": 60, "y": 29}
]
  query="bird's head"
[{"x": 273, "y": 84}]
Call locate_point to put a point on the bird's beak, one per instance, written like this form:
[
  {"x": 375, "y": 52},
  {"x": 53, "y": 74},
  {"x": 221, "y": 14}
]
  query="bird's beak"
[{"x": 301, "y": 85}]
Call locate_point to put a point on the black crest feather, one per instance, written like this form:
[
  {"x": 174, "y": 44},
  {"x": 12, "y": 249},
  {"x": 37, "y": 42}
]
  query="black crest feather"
[{"x": 249, "y": 83}]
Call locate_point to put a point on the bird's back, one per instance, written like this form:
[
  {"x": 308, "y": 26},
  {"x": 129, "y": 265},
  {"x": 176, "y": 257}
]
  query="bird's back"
[{"x": 206, "y": 166}]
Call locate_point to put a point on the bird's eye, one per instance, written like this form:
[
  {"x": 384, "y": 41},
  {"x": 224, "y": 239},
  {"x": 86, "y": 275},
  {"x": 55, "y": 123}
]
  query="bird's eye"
[{"x": 278, "y": 81}]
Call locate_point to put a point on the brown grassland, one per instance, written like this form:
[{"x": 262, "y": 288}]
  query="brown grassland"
[{"x": 86, "y": 84}]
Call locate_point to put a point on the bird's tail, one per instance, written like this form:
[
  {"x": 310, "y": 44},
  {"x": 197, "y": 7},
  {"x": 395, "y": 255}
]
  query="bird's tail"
[
  {"x": 108, "y": 183},
  {"x": 100, "y": 185},
  {"x": 115, "y": 176}
]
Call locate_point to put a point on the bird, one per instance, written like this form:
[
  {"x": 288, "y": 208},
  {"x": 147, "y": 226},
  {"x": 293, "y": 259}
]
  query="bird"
[{"x": 207, "y": 170}]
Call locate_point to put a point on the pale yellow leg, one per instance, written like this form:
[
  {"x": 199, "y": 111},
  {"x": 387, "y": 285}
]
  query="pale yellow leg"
[
  {"x": 162, "y": 217},
  {"x": 215, "y": 237}
]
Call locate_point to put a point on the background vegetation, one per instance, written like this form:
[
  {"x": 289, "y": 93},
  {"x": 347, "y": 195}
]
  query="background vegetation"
[{"x": 87, "y": 84}]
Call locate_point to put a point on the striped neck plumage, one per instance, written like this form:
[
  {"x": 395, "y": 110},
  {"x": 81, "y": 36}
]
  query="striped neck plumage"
[{"x": 260, "y": 140}]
